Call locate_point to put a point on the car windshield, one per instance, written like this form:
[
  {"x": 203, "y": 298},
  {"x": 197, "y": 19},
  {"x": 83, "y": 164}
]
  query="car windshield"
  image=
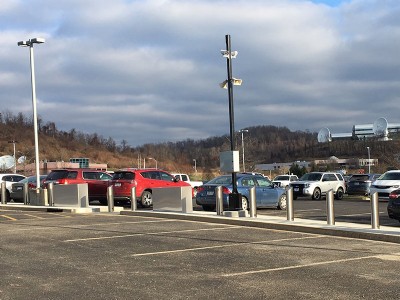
[
  {"x": 311, "y": 177},
  {"x": 222, "y": 180},
  {"x": 54, "y": 175},
  {"x": 390, "y": 176},
  {"x": 281, "y": 177}
]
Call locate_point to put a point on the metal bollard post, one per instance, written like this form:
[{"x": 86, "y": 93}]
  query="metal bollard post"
[
  {"x": 133, "y": 199},
  {"x": 50, "y": 193},
  {"x": 330, "y": 211},
  {"x": 3, "y": 193},
  {"x": 110, "y": 198},
  {"x": 289, "y": 204},
  {"x": 375, "y": 211},
  {"x": 253, "y": 202},
  {"x": 219, "y": 207},
  {"x": 45, "y": 197},
  {"x": 25, "y": 192}
]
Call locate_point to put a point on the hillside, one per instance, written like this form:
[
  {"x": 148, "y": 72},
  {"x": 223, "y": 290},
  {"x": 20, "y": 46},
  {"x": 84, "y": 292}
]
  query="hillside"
[{"x": 263, "y": 144}]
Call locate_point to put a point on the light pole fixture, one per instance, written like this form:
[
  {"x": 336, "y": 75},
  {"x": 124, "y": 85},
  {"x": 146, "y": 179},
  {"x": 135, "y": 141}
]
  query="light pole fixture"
[
  {"x": 369, "y": 161},
  {"x": 15, "y": 159},
  {"x": 195, "y": 165},
  {"x": 234, "y": 197},
  {"x": 154, "y": 160},
  {"x": 29, "y": 44},
  {"x": 242, "y": 131}
]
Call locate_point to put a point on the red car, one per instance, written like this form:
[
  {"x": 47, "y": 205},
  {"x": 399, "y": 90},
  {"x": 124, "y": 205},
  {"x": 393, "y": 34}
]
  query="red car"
[
  {"x": 144, "y": 180},
  {"x": 97, "y": 181}
]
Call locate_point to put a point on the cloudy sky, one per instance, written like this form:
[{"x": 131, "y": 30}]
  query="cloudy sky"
[{"x": 148, "y": 71}]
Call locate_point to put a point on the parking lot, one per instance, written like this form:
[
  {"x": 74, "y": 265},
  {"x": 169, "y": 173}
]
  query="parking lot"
[{"x": 111, "y": 256}]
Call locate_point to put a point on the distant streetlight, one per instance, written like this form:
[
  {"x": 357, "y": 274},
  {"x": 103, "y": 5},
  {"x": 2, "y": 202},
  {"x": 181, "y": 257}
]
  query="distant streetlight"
[
  {"x": 369, "y": 161},
  {"x": 154, "y": 160},
  {"x": 29, "y": 44},
  {"x": 195, "y": 165},
  {"x": 15, "y": 159},
  {"x": 243, "y": 131}
]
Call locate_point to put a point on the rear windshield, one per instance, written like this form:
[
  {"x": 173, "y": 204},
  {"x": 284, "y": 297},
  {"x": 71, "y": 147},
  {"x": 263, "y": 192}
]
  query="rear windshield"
[
  {"x": 123, "y": 175},
  {"x": 62, "y": 174},
  {"x": 359, "y": 178},
  {"x": 226, "y": 180}
]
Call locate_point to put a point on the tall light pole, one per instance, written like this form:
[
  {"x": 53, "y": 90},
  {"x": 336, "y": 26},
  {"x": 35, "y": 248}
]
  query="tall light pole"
[
  {"x": 195, "y": 165},
  {"x": 29, "y": 44},
  {"x": 243, "y": 131},
  {"x": 369, "y": 161},
  {"x": 154, "y": 160},
  {"x": 15, "y": 159}
]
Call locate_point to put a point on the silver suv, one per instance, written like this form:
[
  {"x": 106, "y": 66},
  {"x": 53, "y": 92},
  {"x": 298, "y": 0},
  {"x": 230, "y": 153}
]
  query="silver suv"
[{"x": 317, "y": 184}]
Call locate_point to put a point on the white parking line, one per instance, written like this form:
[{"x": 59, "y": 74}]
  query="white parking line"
[
  {"x": 149, "y": 233},
  {"x": 379, "y": 256},
  {"x": 223, "y": 246}
]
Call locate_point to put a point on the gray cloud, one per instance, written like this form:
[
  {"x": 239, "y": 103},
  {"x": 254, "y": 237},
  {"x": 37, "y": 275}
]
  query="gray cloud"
[{"x": 148, "y": 71}]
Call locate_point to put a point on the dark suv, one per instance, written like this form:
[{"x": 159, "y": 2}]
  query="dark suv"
[
  {"x": 359, "y": 184},
  {"x": 144, "y": 180},
  {"x": 97, "y": 181}
]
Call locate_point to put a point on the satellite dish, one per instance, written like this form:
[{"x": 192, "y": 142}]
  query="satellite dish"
[
  {"x": 7, "y": 162},
  {"x": 380, "y": 127},
  {"x": 324, "y": 135},
  {"x": 21, "y": 160}
]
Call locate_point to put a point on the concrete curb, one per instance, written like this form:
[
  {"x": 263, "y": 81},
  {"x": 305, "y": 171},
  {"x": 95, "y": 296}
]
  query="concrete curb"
[{"x": 359, "y": 231}]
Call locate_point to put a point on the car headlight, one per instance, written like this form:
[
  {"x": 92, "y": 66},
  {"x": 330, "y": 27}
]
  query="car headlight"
[
  {"x": 395, "y": 186},
  {"x": 307, "y": 185}
]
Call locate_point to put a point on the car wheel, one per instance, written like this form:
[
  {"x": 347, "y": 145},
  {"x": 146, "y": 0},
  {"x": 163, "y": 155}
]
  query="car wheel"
[
  {"x": 282, "y": 203},
  {"x": 103, "y": 201},
  {"x": 244, "y": 204},
  {"x": 146, "y": 199},
  {"x": 316, "y": 194},
  {"x": 208, "y": 207},
  {"x": 339, "y": 194}
]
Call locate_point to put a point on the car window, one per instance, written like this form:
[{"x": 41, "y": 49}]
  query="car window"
[
  {"x": 340, "y": 176},
  {"x": 54, "y": 175},
  {"x": 90, "y": 175},
  {"x": 281, "y": 177},
  {"x": 151, "y": 175},
  {"x": 263, "y": 182},
  {"x": 123, "y": 175},
  {"x": 359, "y": 178},
  {"x": 248, "y": 181},
  {"x": 104, "y": 176},
  {"x": 166, "y": 177},
  {"x": 185, "y": 178},
  {"x": 7, "y": 178}
]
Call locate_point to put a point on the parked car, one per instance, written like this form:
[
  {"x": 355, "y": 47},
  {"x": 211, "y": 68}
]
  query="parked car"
[
  {"x": 267, "y": 194},
  {"x": 144, "y": 180},
  {"x": 393, "y": 207},
  {"x": 386, "y": 184},
  {"x": 284, "y": 180},
  {"x": 97, "y": 181},
  {"x": 359, "y": 184},
  {"x": 9, "y": 180},
  {"x": 17, "y": 189},
  {"x": 317, "y": 184}
]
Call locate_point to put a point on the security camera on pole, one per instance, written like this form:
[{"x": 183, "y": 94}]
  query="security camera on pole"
[{"x": 229, "y": 160}]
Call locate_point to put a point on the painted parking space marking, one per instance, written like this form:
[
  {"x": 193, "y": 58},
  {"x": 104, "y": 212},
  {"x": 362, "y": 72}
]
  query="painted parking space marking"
[
  {"x": 224, "y": 246},
  {"x": 8, "y": 217},
  {"x": 150, "y": 233},
  {"x": 394, "y": 256}
]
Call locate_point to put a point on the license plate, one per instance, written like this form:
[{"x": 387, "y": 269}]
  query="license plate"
[
  {"x": 356, "y": 183},
  {"x": 19, "y": 188},
  {"x": 210, "y": 193},
  {"x": 117, "y": 184},
  {"x": 296, "y": 189}
]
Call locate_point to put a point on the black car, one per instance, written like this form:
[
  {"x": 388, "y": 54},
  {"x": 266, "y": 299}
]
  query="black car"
[
  {"x": 393, "y": 207},
  {"x": 359, "y": 184}
]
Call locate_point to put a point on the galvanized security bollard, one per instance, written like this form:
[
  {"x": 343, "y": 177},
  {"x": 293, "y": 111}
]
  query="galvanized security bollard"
[
  {"x": 253, "y": 202},
  {"x": 289, "y": 204},
  {"x": 110, "y": 198},
  {"x": 133, "y": 199},
  {"x": 3, "y": 193},
  {"x": 330, "y": 211},
  {"x": 219, "y": 205},
  {"x": 25, "y": 192},
  {"x": 50, "y": 193},
  {"x": 375, "y": 211},
  {"x": 45, "y": 197}
]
